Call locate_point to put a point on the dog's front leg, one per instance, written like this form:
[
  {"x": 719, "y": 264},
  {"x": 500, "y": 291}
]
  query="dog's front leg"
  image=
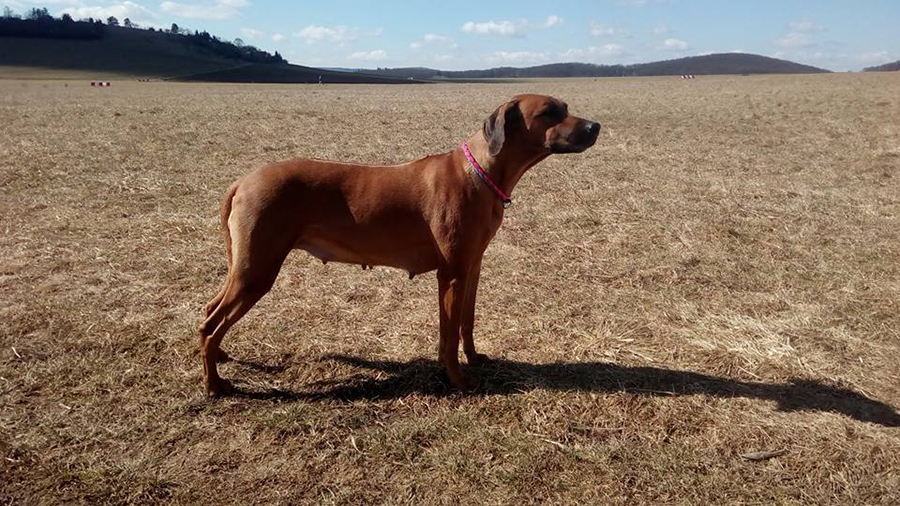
[
  {"x": 467, "y": 322},
  {"x": 451, "y": 293}
]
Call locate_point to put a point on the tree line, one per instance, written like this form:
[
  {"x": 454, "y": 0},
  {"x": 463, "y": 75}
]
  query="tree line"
[{"x": 39, "y": 23}]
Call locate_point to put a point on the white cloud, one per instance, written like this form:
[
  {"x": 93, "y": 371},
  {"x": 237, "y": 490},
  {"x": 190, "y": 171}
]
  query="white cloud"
[
  {"x": 134, "y": 12},
  {"x": 839, "y": 60},
  {"x": 217, "y": 9},
  {"x": 432, "y": 37},
  {"x": 517, "y": 57},
  {"x": 314, "y": 33},
  {"x": 15, "y": 5},
  {"x": 676, "y": 44},
  {"x": 435, "y": 39},
  {"x": 799, "y": 34},
  {"x": 794, "y": 39},
  {"x": 507, "y": 28},
  {"x": 593, "y": 53},
  {"x": 250, "y": 33},
  {"x": 277, "y": 37},
  {"x": 552, "y": 20},
  {"x": 598, "y": 30},
  {"x": 804, "y": 25},
  {"x": 875, "y": 57},
  {"x": 374, "y": 55},
  {"x": 660, "y": 29}
]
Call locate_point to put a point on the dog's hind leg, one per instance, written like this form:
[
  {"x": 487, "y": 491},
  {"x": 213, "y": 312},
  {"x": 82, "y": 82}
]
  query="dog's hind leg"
[
  {"x": 239, "y": 297},
  {"x": 207, "y": 327},
  {"x": 211, "y": 306},
  {"x": 246, "y": 285},
  {"x": 255, "y": 265},
  {"x": 214, "y": 302},
  {"x": 224, "y": 216}
]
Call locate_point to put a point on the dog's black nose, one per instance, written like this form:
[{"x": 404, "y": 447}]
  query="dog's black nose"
[{"x": 593, "y": 128}]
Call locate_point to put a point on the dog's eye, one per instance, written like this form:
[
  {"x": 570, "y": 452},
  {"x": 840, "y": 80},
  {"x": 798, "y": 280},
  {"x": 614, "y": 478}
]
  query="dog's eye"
[{"x": 552, "y": 114}]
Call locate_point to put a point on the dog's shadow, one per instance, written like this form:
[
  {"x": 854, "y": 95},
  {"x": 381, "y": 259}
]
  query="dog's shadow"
[{"x": 393, "y": 379}]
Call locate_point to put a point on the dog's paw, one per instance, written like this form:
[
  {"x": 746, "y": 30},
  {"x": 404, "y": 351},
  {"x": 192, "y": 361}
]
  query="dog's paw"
[
  {"x": 464, "y": 384},
  {"x": 478, "y": 359},
  {"x": 219, "y": 388}
]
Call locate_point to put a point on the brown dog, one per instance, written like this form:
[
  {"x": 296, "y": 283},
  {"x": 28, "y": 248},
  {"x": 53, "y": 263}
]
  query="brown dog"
[{"x": 438, "y": 212}]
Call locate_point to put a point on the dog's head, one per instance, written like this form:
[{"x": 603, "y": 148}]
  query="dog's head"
[{"x": 538, "y": 122}]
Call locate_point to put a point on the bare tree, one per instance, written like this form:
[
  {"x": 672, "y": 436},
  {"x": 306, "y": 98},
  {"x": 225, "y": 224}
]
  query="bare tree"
[{"x": 36, "y": 13}]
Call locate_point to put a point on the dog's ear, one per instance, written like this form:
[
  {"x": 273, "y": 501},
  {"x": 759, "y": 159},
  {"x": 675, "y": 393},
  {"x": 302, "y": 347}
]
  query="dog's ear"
[{"x": 497, "y": 125}]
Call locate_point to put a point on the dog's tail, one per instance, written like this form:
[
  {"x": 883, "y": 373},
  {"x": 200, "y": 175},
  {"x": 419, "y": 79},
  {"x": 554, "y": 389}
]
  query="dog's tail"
[{"x": 224, "y": 214}]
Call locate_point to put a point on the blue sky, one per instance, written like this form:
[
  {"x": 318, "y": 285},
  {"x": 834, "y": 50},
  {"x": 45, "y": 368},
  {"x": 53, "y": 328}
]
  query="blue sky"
[{"x": 834, "y": 34}]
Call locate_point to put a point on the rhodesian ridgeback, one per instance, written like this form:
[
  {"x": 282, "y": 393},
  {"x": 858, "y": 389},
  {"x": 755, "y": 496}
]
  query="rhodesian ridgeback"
[{"x": 435, "y": 213}]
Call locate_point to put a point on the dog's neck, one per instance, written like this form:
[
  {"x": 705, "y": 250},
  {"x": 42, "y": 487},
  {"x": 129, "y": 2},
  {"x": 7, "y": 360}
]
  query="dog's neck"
[{"x": 506, "y": 168}]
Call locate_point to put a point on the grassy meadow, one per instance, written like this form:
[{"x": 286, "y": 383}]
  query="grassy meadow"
[{"x": 719, "y": 275}]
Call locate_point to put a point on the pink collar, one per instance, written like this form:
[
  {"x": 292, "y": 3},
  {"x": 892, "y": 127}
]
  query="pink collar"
[{"x": 484, "y": 176}]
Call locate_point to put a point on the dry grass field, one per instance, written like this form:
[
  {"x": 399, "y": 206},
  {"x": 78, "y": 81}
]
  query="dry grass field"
[{"x": 719, "y": 275}]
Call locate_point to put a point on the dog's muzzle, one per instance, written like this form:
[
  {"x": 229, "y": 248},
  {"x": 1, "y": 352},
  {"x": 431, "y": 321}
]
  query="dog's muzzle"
[{"x": 581, "y": 138}]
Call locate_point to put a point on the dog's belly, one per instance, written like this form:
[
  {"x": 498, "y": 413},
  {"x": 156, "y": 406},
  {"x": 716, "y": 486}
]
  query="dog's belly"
[{"x": 415, "y": 260}]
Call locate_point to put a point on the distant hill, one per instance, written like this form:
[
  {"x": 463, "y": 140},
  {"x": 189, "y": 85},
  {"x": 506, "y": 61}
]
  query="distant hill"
[
  {"x": 43, "y": 42},
  {"x": 724, "y": 63},
  {"x": 887, "y": 67},
  {"x": 126, "y": 51},
  {"x": 64, "y": 44},
  {"x": 268, "y": 73}
]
